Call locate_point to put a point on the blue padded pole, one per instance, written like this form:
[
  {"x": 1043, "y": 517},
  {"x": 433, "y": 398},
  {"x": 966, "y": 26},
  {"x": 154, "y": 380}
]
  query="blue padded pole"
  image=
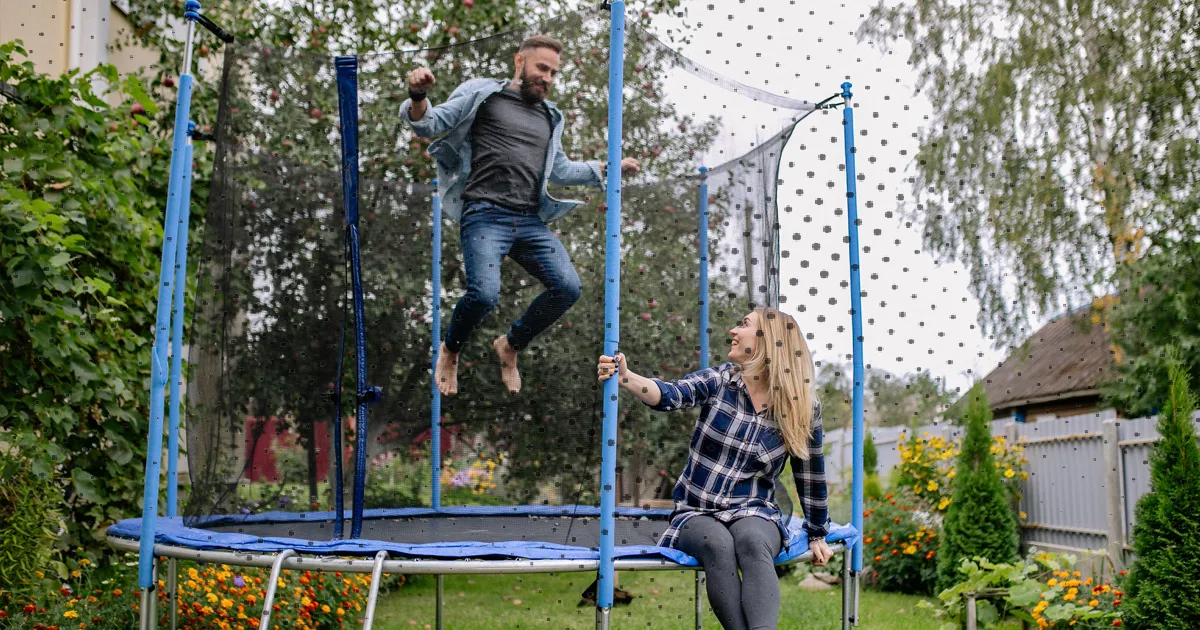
[
  {"x": 158, "y": 353},
  {"x": 612, "y": 308},
  {"x": 856, "y": 500},
  {"x": 703, "y": 227},
  {"x": 347, "y": 77},
  {"x": 181, "y": 236},
  {"x": 436, "y": 404}
]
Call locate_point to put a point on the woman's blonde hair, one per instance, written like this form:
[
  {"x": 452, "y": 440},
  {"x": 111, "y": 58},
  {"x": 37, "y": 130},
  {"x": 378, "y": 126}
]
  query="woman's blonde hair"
[{"x": 782, "y": 359}]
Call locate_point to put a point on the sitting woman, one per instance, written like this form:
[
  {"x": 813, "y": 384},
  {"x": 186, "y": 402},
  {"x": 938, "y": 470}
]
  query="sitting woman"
[{"x": 757, "y": 411}]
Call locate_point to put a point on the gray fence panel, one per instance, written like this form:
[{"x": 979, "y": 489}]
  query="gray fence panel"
[{"x": 1067, "y": 500}]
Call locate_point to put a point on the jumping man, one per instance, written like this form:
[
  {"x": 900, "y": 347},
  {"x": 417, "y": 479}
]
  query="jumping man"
[{"x": 500, "y": 143}]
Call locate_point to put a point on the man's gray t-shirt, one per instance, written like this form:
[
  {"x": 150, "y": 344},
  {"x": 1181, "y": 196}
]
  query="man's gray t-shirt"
[{"x": 509, "y": 140}]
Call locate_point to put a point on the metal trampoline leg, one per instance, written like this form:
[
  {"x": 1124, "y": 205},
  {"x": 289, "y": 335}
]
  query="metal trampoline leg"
[
  {"x": 148, "y": 612},
  {"x": 602, "y": 618},
  {"x": 699, "y": 595},
  {"x": 269, "y": 600},
  {"x": 373, "y": 597},
  {"x": 441, "y": 600},
  {"x": 173, "y": 591},
  {"x": 848, "y": 583}
]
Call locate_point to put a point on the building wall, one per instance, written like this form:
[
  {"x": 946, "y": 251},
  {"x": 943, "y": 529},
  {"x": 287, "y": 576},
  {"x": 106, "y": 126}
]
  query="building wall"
[
  {"x": 63, "y": 34},
  {"x": 125, "y": 56},
  {"x": 43, "y": 26}
]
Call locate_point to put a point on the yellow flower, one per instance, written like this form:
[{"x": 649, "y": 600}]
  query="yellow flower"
[
  {"x": 931, "y": 486},
  {"x": 1052, "y": 583},
  {"x": 75, "y": 573},
  {"x": 1093, "y": 603},
  {"x": 1024, "y": 516},
  {"x": 910, "y": 550},
  {"x": 325, "y": 608},
  {"x": 84, "y": 562},
  {"x": 39, "y": 575},
  {"x": 1009, "y": 474},
  {"x": 212, "y": 598},
  {"x": 193, "y": 574},
  {"x": 944, "y": 503}
]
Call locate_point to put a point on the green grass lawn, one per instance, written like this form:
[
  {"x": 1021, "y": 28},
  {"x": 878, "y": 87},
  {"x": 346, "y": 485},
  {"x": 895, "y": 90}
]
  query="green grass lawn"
[{"x": 663, "y": 601}]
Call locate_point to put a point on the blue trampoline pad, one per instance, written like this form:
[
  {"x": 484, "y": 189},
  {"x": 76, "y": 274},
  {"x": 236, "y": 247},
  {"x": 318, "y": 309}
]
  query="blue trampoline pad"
[{"x": 467, "y": 533}]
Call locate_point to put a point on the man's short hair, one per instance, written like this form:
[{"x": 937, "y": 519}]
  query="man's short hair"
[{"x": 541, "y": 41}]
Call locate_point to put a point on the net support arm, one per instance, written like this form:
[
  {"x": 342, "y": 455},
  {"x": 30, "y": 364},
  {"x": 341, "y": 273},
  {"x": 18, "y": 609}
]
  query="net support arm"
[
  {"x": 856, "y": 501},
  {"x": 347, "y": 80},
  {"x": 435, "y": 407},
  {"x": 612, "y": 312},
  {"x": 159, "y": 366},
  {"x": 703, "y": 233}
]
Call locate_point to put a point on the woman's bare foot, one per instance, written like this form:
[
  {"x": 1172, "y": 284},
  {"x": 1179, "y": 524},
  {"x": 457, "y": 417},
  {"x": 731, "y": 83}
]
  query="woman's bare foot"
[
  {"x": 508, "y": 364},
  {"x": 446, "y": 374}
]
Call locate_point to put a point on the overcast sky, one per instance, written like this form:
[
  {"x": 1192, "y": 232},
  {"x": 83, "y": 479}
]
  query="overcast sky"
[{"x": 928, "y": 320}]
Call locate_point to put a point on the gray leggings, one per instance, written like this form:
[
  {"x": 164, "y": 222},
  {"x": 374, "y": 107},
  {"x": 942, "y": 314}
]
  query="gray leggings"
[{"x": 750, "y": 602}]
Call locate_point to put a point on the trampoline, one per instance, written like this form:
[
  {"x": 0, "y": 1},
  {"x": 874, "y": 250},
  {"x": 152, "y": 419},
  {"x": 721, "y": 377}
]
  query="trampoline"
[{"x": 321, "y": 279}]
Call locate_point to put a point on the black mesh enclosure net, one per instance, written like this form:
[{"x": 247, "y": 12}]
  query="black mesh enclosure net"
[{"x": 273, "y": 327}]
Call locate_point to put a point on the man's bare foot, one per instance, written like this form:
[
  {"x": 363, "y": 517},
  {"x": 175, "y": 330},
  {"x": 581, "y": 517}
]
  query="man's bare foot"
[
  {"x": 446, "y": 374},
  {"x": 508, "y": 364}
]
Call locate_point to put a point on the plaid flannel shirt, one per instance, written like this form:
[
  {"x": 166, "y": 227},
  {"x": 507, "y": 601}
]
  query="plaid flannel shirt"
[{"x": 736, "y": 455}]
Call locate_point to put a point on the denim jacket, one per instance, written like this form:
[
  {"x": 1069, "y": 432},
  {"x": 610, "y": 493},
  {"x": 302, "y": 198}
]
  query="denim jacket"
[{"x": 452, "y": 150}]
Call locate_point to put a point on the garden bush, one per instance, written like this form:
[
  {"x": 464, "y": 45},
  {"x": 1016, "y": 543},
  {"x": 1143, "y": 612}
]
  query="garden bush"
[
  {"x": 899, "y": 545},
  {"x": 979, "y": 521},
  {"x": 1164, "y": 582},
  {"x": 211, "y": 596},
  {"x": 928, "y": 468},
  {"x": 81, "y": 199},
  {"x": 1042, "y": 589},
  {"x": 29, "y": 520}
]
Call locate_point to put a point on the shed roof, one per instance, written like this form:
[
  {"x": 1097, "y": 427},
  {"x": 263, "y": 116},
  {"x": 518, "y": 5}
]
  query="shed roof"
[{"x": 1067, "y": 358}]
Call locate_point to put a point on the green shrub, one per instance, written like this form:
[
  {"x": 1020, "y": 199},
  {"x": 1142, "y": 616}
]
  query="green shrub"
[
  {"x": 1042, "y": 590},
  {"x": 29, "y": 518},
  {"x": 81, "y": 202},
  {"x": 899, "y": 544},
  {"x": 1163, "y": 590},
  {"x": 979, "y": 521}
]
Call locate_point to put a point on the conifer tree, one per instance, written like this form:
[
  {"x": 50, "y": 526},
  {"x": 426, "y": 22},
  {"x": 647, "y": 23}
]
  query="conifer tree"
[
  {"x": 1164, "y": 584},
  {"x": 980, "y": 521}
]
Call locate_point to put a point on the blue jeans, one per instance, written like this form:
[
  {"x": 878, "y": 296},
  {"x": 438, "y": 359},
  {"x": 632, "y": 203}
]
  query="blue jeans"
[{"x": 489, "y": 233}]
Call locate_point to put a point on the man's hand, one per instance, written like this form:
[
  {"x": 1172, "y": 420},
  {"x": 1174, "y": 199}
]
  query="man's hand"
[
  {"x": 629, "y": 166},
  {"x": 421, "y": 79}
]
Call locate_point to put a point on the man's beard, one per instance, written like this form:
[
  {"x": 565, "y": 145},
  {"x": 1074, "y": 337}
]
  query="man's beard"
[{"x": 528, "y": 89}]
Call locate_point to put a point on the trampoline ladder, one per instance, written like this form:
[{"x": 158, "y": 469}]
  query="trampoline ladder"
[
  {"x": 700, "y": 599},
  {"x": 276, "y": 568},
  {"x": 373, "y": 598}
]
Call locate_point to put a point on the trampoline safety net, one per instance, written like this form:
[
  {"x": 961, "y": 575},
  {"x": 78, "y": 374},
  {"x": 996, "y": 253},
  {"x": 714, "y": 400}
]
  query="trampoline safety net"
[{"x": 272, "y": 335}]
